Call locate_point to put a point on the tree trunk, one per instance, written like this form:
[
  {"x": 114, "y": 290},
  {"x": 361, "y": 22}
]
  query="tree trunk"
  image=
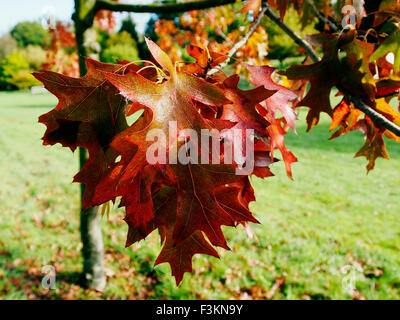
[
  {"x": 92, "y": 241},
  {"x": 92, "y": 250}
]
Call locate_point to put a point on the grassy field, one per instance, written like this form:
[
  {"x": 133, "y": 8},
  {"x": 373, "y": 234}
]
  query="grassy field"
[{"x": 333, "y": 226}]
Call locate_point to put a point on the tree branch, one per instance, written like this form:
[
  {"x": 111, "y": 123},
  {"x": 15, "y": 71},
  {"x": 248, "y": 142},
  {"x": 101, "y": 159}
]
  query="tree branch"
[
  {"x": 358, "y": 103},
  {"x": 321, "y": 17},
  {"x": 160, "y": 8},
  {"x": 240, "y": 43},
  {"x": 299, "y": 40}
]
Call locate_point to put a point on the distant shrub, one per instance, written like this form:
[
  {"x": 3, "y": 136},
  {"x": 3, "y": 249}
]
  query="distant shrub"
[
  {"x": 128, "y": 25},
  {"x": 10, "y": 65},
  {"x": 118, "y": 46},
  {"x": 15, "y": 72},
  {"x": 122, "y": 38},
  {"x": 23, "y": 79},
  {"x": 7, "y": 45},
  {"x": 119, "y": 52},
  {"x": 29, "y": 33}
]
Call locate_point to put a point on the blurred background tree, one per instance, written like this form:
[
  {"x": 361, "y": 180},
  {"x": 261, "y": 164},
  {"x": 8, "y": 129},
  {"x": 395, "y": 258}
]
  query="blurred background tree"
[
  {"x": 119, "y": 46},
  {"x": 34, "y": 55},
  {"x": 107, "y": 40},
  {"x": 29, "y": 33},
  {"x": 60, "y": 49},
  {"x": 7, "y": 45},
  {"x": 15, "y": 72},
  {"x": 129, "y": 25}
]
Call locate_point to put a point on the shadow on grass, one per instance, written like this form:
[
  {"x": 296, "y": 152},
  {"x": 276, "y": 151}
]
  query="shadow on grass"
[
  {"x": 22, "y": 279},
  {"x": 26, "y": 283}
]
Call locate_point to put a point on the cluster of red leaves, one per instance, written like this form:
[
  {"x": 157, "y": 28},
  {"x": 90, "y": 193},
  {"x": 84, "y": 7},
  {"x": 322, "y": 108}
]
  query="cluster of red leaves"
[
  {"x": 61, "y": 40},
  {"x": 355, "y": 61},
  {"x": 184, "y": 202}
]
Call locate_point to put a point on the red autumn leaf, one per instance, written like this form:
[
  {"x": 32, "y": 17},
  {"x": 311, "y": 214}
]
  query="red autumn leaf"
[
  {"x": 281, "y": 100},
  {"x": 339, "y": 114},
  {"x": 282, "y": 6},
  {"x": 348, "y": 117},
  {"x": 172, "y": 101},
  {"x": 178, "y": 256},
  {"x": 201, "y": 207},
  {"x": 351, "y": 73},
  {"x": 89, "y": 114},
  {"x": 277, "y": 133},
  {"x": 374, "y": 147},
  {"x": 321, "y": 81},
  {"x": 242, "y": 108},
  {"x": 205, "y": 60},
  {"x": 244, "y": 111},
  {"x": 207, "y": 196}
]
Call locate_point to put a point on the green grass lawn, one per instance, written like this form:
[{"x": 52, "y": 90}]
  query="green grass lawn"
[{"x": 330, "y": 226}]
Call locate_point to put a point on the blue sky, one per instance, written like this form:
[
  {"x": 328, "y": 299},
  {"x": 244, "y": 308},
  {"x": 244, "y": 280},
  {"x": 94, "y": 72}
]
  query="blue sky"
[{"x": 14, "y": 11}]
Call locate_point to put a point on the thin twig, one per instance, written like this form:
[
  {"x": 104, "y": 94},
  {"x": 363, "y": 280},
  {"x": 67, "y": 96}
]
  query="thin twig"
[
  {"x": 240, "y": 43},
  {"x": 321, "y": 17}
]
